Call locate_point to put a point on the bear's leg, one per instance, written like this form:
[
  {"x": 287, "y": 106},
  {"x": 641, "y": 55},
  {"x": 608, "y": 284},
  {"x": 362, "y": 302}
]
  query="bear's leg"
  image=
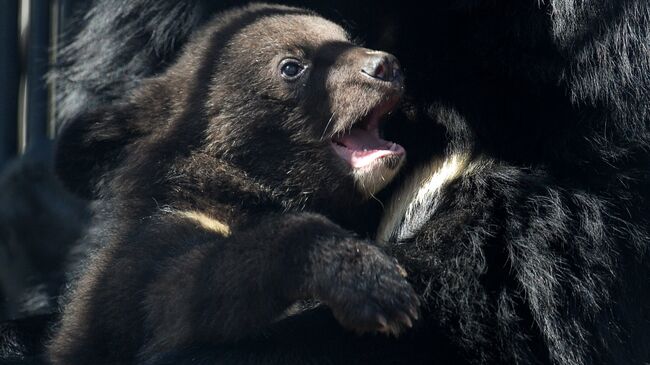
[{"x": 174, "y": 284}]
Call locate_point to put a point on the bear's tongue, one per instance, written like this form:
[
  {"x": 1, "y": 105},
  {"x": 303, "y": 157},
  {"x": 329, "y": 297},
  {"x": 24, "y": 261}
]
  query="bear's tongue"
[{"x": 360, "y": 147}]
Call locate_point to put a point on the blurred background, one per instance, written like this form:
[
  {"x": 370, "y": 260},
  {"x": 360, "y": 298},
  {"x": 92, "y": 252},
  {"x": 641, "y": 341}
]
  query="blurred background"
[
  {"x": 38, "y": 218},
  {"x": 30, "y": 32}
]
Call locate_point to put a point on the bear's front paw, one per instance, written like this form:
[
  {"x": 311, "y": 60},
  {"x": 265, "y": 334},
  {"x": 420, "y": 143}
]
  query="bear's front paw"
[{"x": 366, "y": 289}]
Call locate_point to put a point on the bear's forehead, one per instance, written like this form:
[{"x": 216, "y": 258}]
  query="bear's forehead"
[{"x": 293, "y": 31}]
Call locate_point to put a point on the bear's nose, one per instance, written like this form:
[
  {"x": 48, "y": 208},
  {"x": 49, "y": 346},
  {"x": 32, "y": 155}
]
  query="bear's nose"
[{"x": 381, "y": 65}]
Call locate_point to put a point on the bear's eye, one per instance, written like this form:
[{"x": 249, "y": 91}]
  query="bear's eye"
[{"x": 291, "y": 69}]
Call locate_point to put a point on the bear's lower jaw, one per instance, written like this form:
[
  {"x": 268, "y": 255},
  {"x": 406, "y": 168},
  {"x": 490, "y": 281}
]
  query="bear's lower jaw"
[
  {"x": 374, "y": 176},
  {"x": 373, "y": 161}
]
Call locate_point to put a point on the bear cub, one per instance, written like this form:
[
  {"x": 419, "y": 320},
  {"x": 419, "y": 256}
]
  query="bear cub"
[{"x": 218, "y": 185}]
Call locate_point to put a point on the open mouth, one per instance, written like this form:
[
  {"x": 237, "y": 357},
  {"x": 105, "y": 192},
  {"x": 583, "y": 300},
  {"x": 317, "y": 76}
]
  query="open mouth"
[{"x": 362, "y": 145}]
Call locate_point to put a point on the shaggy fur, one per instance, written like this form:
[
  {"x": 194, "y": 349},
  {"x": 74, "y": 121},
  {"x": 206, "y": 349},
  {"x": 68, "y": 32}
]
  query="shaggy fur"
[
  {"x": 217, "y": 182},
  {"x": 536, "y": 250}
]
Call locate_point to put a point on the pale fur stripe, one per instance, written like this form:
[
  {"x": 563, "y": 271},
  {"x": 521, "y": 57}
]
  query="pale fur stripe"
[
  {"x": 416, "y": 202},
  {"x": 207, "y": 222}
]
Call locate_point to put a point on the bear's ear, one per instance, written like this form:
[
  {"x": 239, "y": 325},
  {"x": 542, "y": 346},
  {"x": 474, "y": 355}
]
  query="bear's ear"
[{"x": 90, "y": 146}]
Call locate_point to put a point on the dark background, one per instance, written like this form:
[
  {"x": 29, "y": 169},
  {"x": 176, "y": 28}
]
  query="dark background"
[{"x": 34, "y": 209}]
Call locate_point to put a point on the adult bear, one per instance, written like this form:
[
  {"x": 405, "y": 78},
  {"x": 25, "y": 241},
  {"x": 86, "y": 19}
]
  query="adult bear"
[
  {"x": 220, "y": 182},
  {"x": 529, "y": 239}
]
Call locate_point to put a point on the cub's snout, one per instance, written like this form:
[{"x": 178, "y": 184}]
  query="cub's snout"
[{"x": 382, "y": 66}]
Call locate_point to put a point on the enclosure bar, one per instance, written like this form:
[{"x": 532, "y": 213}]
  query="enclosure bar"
[
  {"x": 22, "y": 89},
  {"x": 9, "y": 81}
]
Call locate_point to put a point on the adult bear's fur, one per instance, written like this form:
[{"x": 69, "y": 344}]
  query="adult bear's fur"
[
  {"x": 218, "y": 181},
  {"x": 537, "y": 251}
]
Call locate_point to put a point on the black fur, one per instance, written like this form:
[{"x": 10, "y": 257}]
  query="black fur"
[
  {"x": 217, "y": 188},
  {"x": 98, "y": 79},
  {"x": 538, "y": 254}
]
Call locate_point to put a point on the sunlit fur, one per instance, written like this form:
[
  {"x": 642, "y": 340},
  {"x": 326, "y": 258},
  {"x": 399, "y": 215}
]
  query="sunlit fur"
[
  {"x": 220, "y": 204},
  {"x": 207, "y": 222}
]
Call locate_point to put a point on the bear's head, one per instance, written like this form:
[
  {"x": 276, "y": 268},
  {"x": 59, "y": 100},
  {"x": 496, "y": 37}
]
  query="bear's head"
[{"x": 277, "y": 93}]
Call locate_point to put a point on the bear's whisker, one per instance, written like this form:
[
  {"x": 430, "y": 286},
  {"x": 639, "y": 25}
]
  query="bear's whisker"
[{"x": 327, "y": 126}]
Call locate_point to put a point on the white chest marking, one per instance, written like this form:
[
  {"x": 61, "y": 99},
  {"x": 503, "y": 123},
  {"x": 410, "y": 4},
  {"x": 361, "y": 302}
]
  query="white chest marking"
[
  {"x": 416, "y": 202},
  {"x": 206, "y": 222}
]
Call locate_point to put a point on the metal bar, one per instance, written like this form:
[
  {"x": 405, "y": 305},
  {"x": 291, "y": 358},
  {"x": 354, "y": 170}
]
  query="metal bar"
[
  {"x": 9, "y": 80},
  {"x": 22, "y": 89}
]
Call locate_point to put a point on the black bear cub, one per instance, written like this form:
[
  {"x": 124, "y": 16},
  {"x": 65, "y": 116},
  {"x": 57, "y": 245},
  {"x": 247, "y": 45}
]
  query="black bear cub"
[{"x": 217, "y": 184}]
